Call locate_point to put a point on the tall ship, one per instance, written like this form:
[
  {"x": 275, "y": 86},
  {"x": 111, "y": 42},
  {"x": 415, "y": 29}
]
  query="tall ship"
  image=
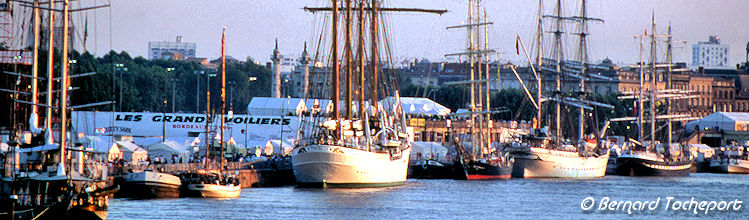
[
  {"x": 480, "y": 159},
  {"x": 45, "y": 176},
  {"x": 369, "y": 143},
  {"x": 216, "y": 183},
  {"x": 655, "y": 153},
  {"x": 547, "y": 152}
]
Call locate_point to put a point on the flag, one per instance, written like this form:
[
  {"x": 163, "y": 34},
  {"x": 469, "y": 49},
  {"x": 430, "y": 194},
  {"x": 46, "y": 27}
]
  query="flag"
[
  {"x": 517, "y": 48},
  {"x": 646, "y": 32}
]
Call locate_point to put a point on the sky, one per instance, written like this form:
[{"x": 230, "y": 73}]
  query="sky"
[{"x": 253, "y": 25}]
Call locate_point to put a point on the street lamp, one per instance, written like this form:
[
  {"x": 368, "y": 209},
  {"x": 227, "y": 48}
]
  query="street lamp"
[
  {"x": 121, "y": 68},
  {"x": 174, "y": 86},
  {"x": 231, "y": 94},
  {"x": 208, "y": 83},
  {"x": 163, "y": 121},
  {"x": 251, "y": 79},
  {"x": 174, "y": 89},
  {"x": 197, "y": 90}
]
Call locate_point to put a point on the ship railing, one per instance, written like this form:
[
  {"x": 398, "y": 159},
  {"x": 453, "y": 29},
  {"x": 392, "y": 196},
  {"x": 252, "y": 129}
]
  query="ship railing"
[{"x": 175, "y": 168}]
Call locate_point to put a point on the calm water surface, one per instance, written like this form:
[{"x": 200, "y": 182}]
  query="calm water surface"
[{"x": 453, "y": 199}]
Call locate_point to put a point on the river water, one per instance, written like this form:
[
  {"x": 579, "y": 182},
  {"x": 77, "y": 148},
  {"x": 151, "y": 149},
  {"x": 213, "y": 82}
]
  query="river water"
[{"x": 454, "y": 199}]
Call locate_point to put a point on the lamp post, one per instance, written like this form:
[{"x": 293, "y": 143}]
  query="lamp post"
[
  {"x": 121, "y": 68},
  {"x": 174, "y": 94},
  {"x": 231, "y": 93},
  {"x": 197, "y": 90},
  {"x": 163, "y": 121},
  {"x": 251, "y": 79},
  {"x": 174, "y": 81}
]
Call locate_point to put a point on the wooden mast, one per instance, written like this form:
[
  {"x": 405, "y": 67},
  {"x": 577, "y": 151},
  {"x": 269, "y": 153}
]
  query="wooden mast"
[
  {"x": 652, "y": 83},
  {"x": 349, "y": 64},
  {"x": 669, "y": 60},
  {"x": 64, "y": 82},
  {"x": 223, "y": 94},
  {"x": 373, "y": 66},
  {"x": 472, "y": 104},
  {"x": 539, "y": 60},
  {"x": 335, "y": 90},
  {"x": 480, "y": 88},
  {"x": 50, "y": 69},
  {"x": 361, "y": 59},
  {"x": 35, "y": 64},
  {"x": 208, "y": 139},
  {"x": 488, "y": 104},
  {"x": 582, "y": 47},
  {"x": 558, "y": 42}
]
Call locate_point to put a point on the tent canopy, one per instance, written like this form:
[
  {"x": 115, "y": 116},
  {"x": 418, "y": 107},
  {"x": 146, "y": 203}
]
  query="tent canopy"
[
  {"x": 132, "y": 152},
  {"x": 727, "y": 121},
  {"x": 275, "y": 106},
  {"x": 167, "y": 149}
]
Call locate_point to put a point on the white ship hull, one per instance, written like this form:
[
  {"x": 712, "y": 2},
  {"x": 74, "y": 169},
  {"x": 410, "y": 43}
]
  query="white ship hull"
[
  {"x": 335, "y": 166},
  {"x": 730, "y": 166},
  {"x": 545, "y": 163},
  {"x": 215, "y": 190}
]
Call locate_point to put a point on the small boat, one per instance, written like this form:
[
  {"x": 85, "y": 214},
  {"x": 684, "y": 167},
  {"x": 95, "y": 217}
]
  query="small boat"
[
  {"x": 150, "y": 184},
  {"x": 730, "y": 159},
  {"x": 212, "y": 184},
  {"x": 430, "y": 169}
]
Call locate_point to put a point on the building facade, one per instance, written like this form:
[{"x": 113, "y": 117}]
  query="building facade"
[
  {"x": 171, "y": 50},
  {"x": 710, "y": 54}
]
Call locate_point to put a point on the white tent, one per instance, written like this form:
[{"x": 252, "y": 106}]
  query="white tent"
[
  {"x": 189, "y": 143},
  {"x": 101, "y": 145},
  {"x": 288, "y": 145},
  {"x": 418, "y": 106},
  {"x": 427, "y": 150},
  {"x": 275, "y": 106},
  {"x": 167, "y": 149},
  {"x": 132, "y": 152},
  {"x": 147, "y": 141},
  {"x": 727, "y": 121}
]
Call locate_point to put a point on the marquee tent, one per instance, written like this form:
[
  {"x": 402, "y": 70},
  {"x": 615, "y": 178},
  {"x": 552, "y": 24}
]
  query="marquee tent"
[
  {"x": 132, "y": 152},
  {"x": 167, "y": 149}
]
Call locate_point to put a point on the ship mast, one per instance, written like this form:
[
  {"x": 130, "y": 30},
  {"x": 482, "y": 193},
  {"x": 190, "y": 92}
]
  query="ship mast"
[
  {"x": 652, "y": 82},
  {"x": 360, "y": 57},
  {"x": 582, "y": 47},
  {"x": 669, "y": 59},
  {"x": 335, "y": 90},
  {"x": 35, "y": 64},
  {"x": 488, "y": 104},
  {"x": 558, "y": 47},
  {"x": 223, "y": 95},
  {"x": 50, "y": 69},
  {"x": 374, "y": 63},
  {"x": 539, "y": 59},
  {"x": 64, "y": 81},
  {"x": 349, "y": 65}
]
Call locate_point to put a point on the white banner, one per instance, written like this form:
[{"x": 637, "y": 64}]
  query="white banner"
[{"x": 179, "y": 125}]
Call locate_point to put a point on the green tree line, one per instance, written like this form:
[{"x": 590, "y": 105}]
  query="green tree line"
[{"x": 145, "y": 85}]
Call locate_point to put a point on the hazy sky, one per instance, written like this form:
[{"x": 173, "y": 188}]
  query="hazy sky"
[{"x": 252, "y": 25}]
